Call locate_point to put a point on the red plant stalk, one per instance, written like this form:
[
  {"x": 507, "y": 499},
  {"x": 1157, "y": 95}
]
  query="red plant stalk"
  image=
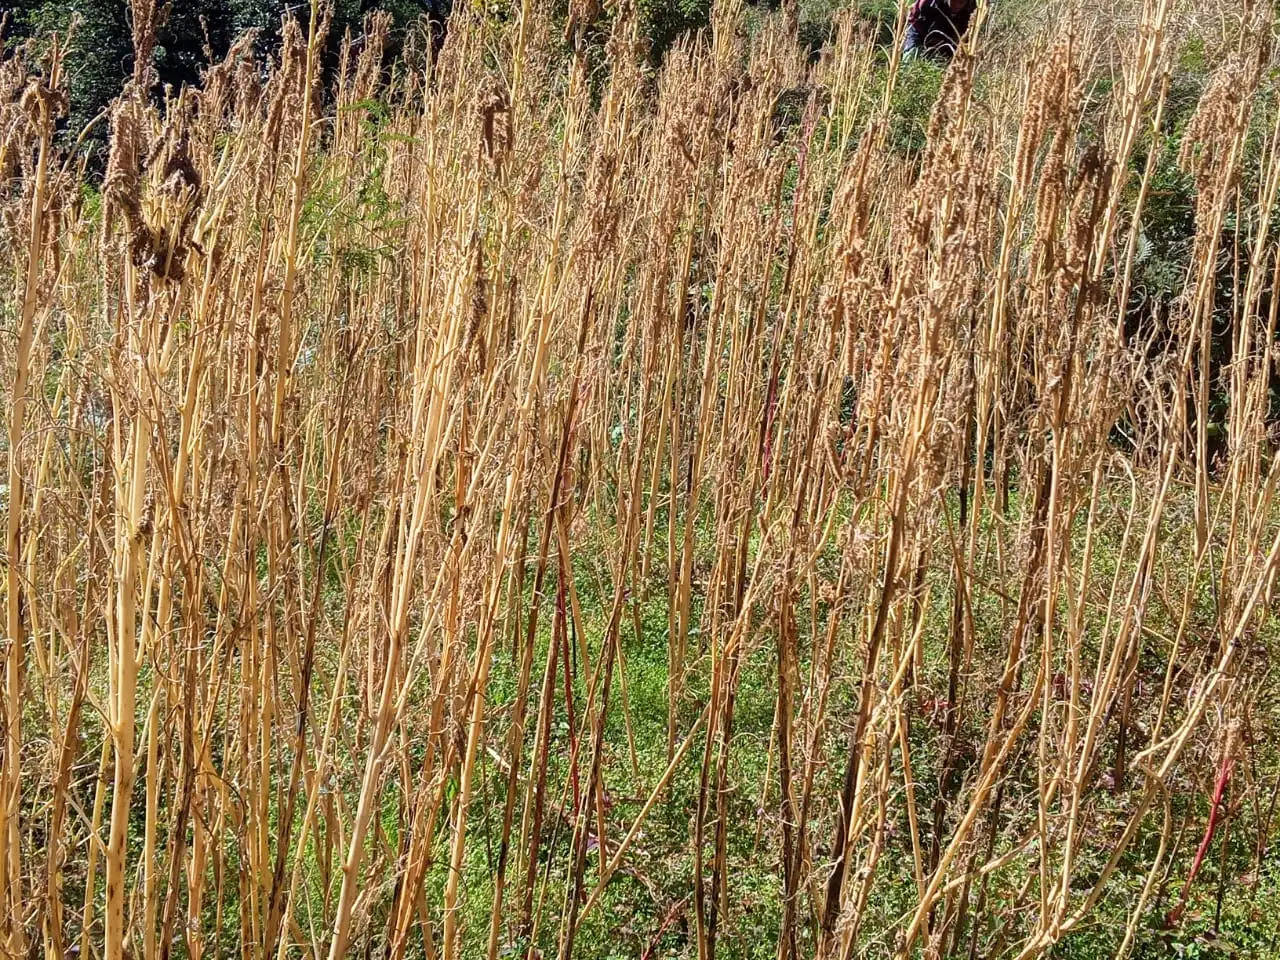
[
  {"x": 1219, "y": 789},
  {"x": 672, "y": 915}
]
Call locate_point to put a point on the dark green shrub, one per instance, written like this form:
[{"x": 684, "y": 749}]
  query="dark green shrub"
[{"x": 663, "y": 21}]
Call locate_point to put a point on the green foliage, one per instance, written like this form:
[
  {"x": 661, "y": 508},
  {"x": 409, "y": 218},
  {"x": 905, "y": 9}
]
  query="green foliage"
[
  {"x": 1168, "y": 224},
  {"x": 883, "y": 16},
  {"x": 663, "y": 21},
  {"x": 333, "y": 208},
  {"x": 100, "y": 58},
  {"x": 101, "y": 55},
  {"x": 1168, "y": 216},
  {"x": 919, "y": 81},
  {"x": 816, "y": 19}
]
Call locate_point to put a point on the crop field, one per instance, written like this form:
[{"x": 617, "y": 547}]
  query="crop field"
[{"x": 523, "y": 497}]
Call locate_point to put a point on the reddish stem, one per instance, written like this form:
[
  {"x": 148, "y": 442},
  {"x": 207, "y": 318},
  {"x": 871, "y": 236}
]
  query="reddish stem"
[{"x": 1219, "y": 789}]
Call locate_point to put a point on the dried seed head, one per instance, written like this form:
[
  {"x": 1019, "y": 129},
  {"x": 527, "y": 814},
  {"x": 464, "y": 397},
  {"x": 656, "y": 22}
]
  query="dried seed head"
[
  {"x": 121, "y": 185},
  {"x": 497, "y": 135},
  {"x": 147, "y": 19},
  {"x": 234, "y": 75}
]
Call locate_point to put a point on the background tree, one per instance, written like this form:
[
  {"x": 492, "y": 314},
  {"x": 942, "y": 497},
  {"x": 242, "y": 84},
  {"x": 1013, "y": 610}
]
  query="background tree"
[{"x": 100, "y": 58}]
